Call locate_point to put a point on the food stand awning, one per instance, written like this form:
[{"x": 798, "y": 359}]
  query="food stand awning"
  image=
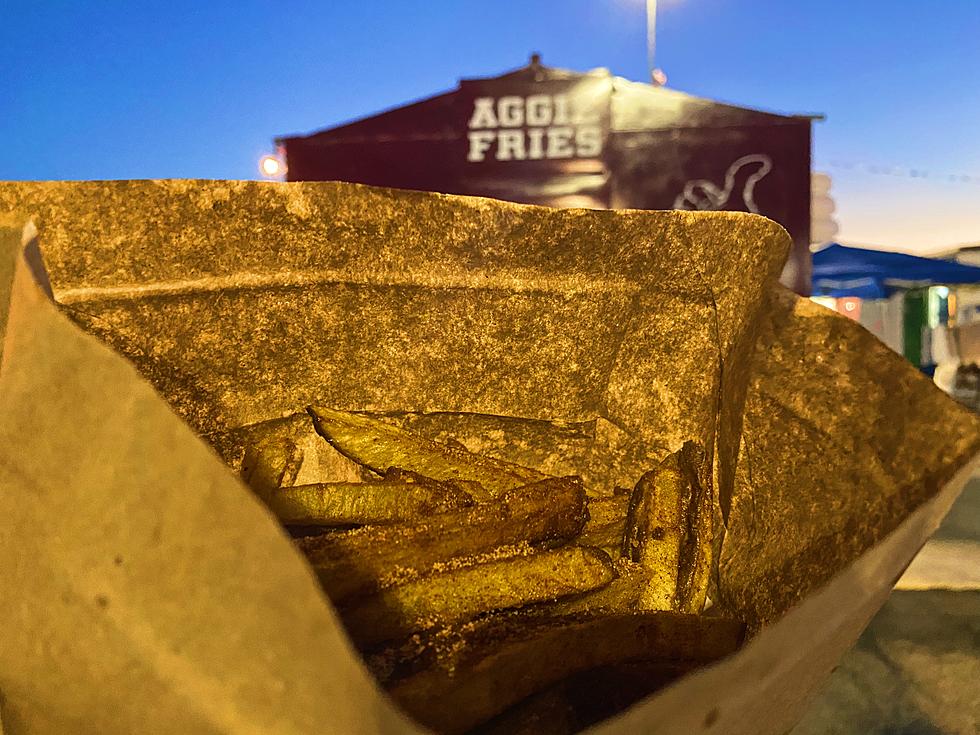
[{"x": 875, "y": 274}]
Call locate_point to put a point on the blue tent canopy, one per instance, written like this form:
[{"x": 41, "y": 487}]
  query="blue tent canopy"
[{"x": 874, "y": 274}]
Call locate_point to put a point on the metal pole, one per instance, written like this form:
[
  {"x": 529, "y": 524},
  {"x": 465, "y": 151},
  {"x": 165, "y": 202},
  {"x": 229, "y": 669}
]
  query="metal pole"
[{"x": 651, "y": 37}]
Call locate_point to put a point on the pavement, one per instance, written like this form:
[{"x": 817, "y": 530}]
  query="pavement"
[{"x": 916, "y": 668}]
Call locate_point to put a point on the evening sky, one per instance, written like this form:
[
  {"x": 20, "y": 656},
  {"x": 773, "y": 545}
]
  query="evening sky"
[{"x": 114, "y": 89}]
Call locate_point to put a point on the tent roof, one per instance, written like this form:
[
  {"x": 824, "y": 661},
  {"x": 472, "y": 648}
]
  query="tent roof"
[{"x": 845, "y": 271}]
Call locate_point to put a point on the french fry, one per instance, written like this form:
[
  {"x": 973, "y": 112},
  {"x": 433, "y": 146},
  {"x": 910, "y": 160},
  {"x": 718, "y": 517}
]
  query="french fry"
[
  {"x": 493, "y": 625},
  {"x": 668, "y": 531},
  {"x": 583, "y": 699},
  {"x": 270, "y": 464},
  {"x": 549, "y": 711},
  {"x": 462, "y": 593},
  {"x": 607, "y": 521},
  {"x": 464, "y": 678},
  {"x": 619, "y": 596},
  {"x": 369, "y": 558},
  {"x": 378, "y": 446},
  {"x": 362, "y": 503}
]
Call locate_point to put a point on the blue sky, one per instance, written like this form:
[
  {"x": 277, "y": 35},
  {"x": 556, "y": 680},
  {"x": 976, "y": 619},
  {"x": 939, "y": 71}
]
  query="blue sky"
[{"x": 136, "y": 89}]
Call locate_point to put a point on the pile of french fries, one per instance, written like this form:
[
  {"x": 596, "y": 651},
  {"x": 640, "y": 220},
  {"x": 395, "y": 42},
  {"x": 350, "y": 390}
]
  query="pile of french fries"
[{"x": 489, "y": 597}]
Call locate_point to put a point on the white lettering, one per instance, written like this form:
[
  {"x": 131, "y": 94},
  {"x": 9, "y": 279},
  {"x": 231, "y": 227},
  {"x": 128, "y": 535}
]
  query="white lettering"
[
  {"x": 538, "y": 110},
  {"x": 510, "y": 145},
  {"x": 588, "y": 141},
  {"x": 480, "y": 142},
  {"x": 560, "y": 143},
  {"x": 535, "y": 138},
  {"x": 540, "y": 126},
  {"x": 510, "y": 112},
  {"x": 483, "y": 116}
]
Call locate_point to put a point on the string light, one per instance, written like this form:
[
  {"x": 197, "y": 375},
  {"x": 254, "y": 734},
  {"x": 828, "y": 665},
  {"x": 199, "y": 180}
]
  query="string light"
[{"x": 900, "y": 171}]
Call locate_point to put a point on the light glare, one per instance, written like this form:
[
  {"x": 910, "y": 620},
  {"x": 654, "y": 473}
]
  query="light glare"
[{"x": 271, "y": 166}]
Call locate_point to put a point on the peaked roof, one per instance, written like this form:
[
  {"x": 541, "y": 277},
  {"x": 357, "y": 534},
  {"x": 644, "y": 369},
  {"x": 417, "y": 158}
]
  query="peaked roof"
[
  {"x": 636, "y": 107},
  {"x": 874, "y": 274}
]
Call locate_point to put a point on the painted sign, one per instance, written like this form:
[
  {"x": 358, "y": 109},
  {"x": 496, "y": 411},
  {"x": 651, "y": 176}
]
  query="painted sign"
[{"x": 534, "y": 122}]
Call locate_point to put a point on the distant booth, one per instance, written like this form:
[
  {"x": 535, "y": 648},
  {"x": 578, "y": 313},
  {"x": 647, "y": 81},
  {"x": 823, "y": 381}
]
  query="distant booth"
[
  {"x": 542, "y": 135},
  {"x": 927, "y": 309}
]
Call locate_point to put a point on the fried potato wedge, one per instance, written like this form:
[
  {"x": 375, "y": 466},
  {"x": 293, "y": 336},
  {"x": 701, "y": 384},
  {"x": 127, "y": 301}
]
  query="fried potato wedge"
[
  {"x": 669, "y": 532},
  {"x": 364, "y": 503},
  {"x": 460, "y": 594},
  {"x": 621, "y": 595},
  {"x": 463, "y": 678},
  {"x": 378, "y": 446},
  {"x": 374, "y": 557},
  {"x": 584, "y": 699},
  {"x": 271, "y": 464},
  {"x": 607, "y": 521}
]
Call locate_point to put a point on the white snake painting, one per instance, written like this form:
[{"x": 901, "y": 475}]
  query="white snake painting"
[{"x": 702, "y": 194}]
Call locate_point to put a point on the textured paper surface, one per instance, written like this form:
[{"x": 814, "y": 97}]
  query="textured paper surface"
[
  {"x": 841, "y": 439},
  {"x": 144, "y": 590},
  {"x": 617, "y": 334}
]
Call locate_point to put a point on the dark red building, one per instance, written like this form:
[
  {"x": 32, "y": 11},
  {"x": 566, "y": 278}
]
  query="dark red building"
[{"x": 550, "y": 136}]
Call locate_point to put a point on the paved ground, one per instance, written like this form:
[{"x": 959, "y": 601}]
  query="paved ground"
[{"x": 916, "y": 669}]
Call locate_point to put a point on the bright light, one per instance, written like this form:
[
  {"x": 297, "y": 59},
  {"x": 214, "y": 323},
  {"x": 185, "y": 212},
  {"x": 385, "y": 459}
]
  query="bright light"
[{"x": 272, "y": 166}]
